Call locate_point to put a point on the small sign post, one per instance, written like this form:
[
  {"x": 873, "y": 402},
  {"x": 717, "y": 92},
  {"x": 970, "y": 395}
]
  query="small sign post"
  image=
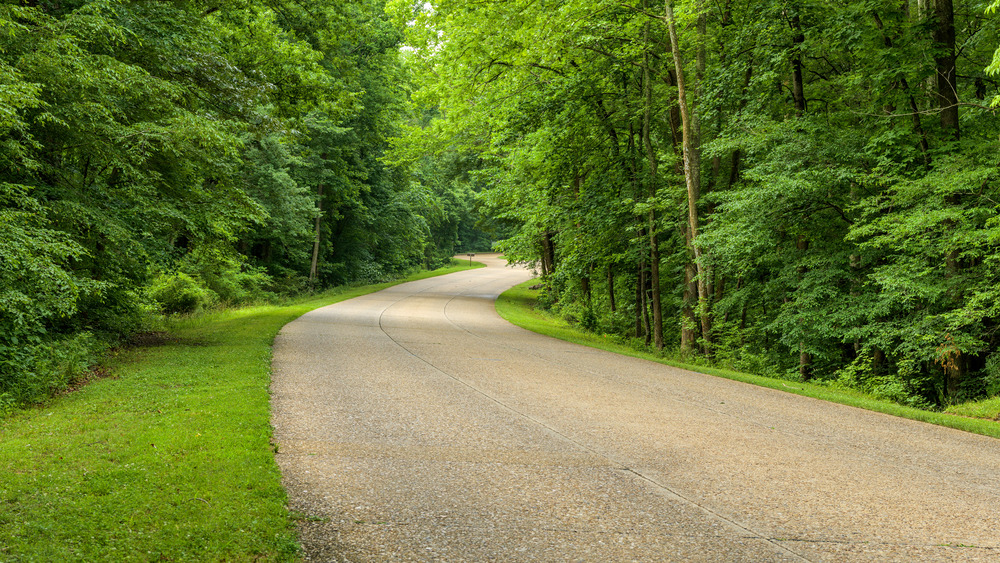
[{"x": 470, "y": 258}]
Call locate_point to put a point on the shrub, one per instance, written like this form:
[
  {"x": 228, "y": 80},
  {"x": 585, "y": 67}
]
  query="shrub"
[
  {"x": 39, "y": 296},
  {"x": 181, "y": 293},
  {"x": 32, "y": 369},
  {"x": 226, "y": 274},
  {"x": 992, "y": 376}
]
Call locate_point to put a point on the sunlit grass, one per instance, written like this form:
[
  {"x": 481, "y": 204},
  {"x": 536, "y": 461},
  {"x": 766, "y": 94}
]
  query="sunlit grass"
[
  {"x": 517, "y": 305},
  {"x": 168, "y": 459},
  {"x": 987, "y": 408}
]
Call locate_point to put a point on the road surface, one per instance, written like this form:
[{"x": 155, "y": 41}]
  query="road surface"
[{"x": 415, "y": 424}]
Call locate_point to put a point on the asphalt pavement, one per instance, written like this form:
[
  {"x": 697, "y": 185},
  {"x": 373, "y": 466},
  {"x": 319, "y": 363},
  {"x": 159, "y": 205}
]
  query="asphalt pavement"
[{"x": 414, "y": 424}]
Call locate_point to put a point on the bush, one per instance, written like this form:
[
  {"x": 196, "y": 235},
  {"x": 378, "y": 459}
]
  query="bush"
[
  {"x": 903, "y": 386},
  {"x": 226, "y": 274},
  {"x": 992, "y": 377},
  {"x": 39, "y": 297},
  {"x": 369, "y": 272},
  {"x": 588, "y": 319},
  {"x": 616, "y": 323},
  {"x": 181, "y": 293},
  {"x": 32, "y": 370}
]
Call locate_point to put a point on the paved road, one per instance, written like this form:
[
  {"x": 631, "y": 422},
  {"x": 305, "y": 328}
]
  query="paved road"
[{"x": 415, "y": 424}]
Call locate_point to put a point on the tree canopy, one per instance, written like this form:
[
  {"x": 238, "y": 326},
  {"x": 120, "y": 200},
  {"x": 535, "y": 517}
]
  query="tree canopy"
[{"x": 164, "y": 157}]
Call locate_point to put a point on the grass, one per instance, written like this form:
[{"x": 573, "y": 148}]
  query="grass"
[
  {"x": 168, "y": 459},
  {"x": 517, "y": 305},
  {"x": 987, "y": 408}
]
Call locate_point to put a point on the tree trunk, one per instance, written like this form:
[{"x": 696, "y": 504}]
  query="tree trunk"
[
  {"x": 904, "y": 84},
  {"x": 654, "y": 250},
  {"x": 689, "y": 301},
  {"x": 549, "y": 248},
  {"x": 805, "y": 363},
  {"x": 805, "y": 358},
  {"x": 611, "y": 288},
  {"x": 654, "y": 281},
  {"x": 798, "y": 91},
  {"x": 878, "y": 361},
  {"x": 639, "y": 281},
  {"x": 946, "y": 80},
  {"x": 647, "y": 296},
  {"x": 545, "y": 258},
  {"x": 314, "y": 266},
  {"x": 691, "y": 138},
  {"x": 644, "y": 298},
  {"x": 954, "y": 369},
  {"x": 952, "y": 359}
]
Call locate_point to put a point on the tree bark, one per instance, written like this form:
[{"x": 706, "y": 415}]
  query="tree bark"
[
  {"x": 955, "y": 361},
  {"x": 798, "y": 90},
  {"x": 314, "y": 265},
  {"x": 946, "y": 80},
  {"x": 545, "y": 258},
  {"x": 611, "y": 288},
  {"x": 549, "y": 248},
  {"x": 689, "y": 301},
  {"x": 805, "y": 358},
  {"x": 639, "y": 281},
  {"x": 952, "y": 359},
  {"x": 691, "y": 140},
  {"x": 954, "y": 364},
  {"x": 654, "y": 250},
  {"x": 904, "y": 84},
  {"x": 644, "y": 299},
  {"x": 654, "y": 281}
]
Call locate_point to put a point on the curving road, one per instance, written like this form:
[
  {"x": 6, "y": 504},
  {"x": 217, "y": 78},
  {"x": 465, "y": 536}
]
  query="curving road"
[{"x": 415, "y": 424}]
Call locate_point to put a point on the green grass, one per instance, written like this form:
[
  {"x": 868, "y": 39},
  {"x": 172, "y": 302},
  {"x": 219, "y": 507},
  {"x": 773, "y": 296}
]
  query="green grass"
[
  {"x": 168, "y": 459},
  {"x": 517, "y": 305},
  {"x": 987, "y": 408}
]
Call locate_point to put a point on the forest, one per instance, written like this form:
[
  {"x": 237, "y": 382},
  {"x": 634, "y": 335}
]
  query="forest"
[
  {"x": 167, "y": 157},
  {"x": 802, "y": 189},
  {"x": 808, "y": 190}
]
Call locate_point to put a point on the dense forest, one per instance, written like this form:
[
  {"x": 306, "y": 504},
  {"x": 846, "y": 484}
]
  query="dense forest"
[
  {"x": 802, "y": 189},
  {"x": 805, "y": 189},
  {"x": 164, "y": 157}
]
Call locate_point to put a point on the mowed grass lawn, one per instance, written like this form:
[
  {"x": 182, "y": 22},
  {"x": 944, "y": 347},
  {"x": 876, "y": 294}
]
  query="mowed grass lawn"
[{"x": 167, "y": 459}]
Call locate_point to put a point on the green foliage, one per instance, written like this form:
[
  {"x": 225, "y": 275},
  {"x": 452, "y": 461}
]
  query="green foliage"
[
  {"x": 226, "y": 274},
  {"x": 994, "y": 67},
  {"x": 992, "y": 375},
  {"x": 885, "y": 385},
  {"x": 934, "y": 241},
  {"x": 38, "y": 292},
  {"x": 181, "y": 293},
  {"x": 843, "y": 218},
  {"x": 847, "y": 223},
  {"x": 139, "y": 137}
]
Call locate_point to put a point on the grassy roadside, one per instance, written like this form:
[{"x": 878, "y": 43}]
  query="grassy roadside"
[
  {"x": 517, "y": 305},
  {"x": 168, "y": 459}
]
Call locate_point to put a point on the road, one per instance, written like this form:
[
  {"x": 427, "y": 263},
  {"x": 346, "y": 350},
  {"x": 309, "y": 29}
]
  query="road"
[{"x": 416, "y": 425}]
